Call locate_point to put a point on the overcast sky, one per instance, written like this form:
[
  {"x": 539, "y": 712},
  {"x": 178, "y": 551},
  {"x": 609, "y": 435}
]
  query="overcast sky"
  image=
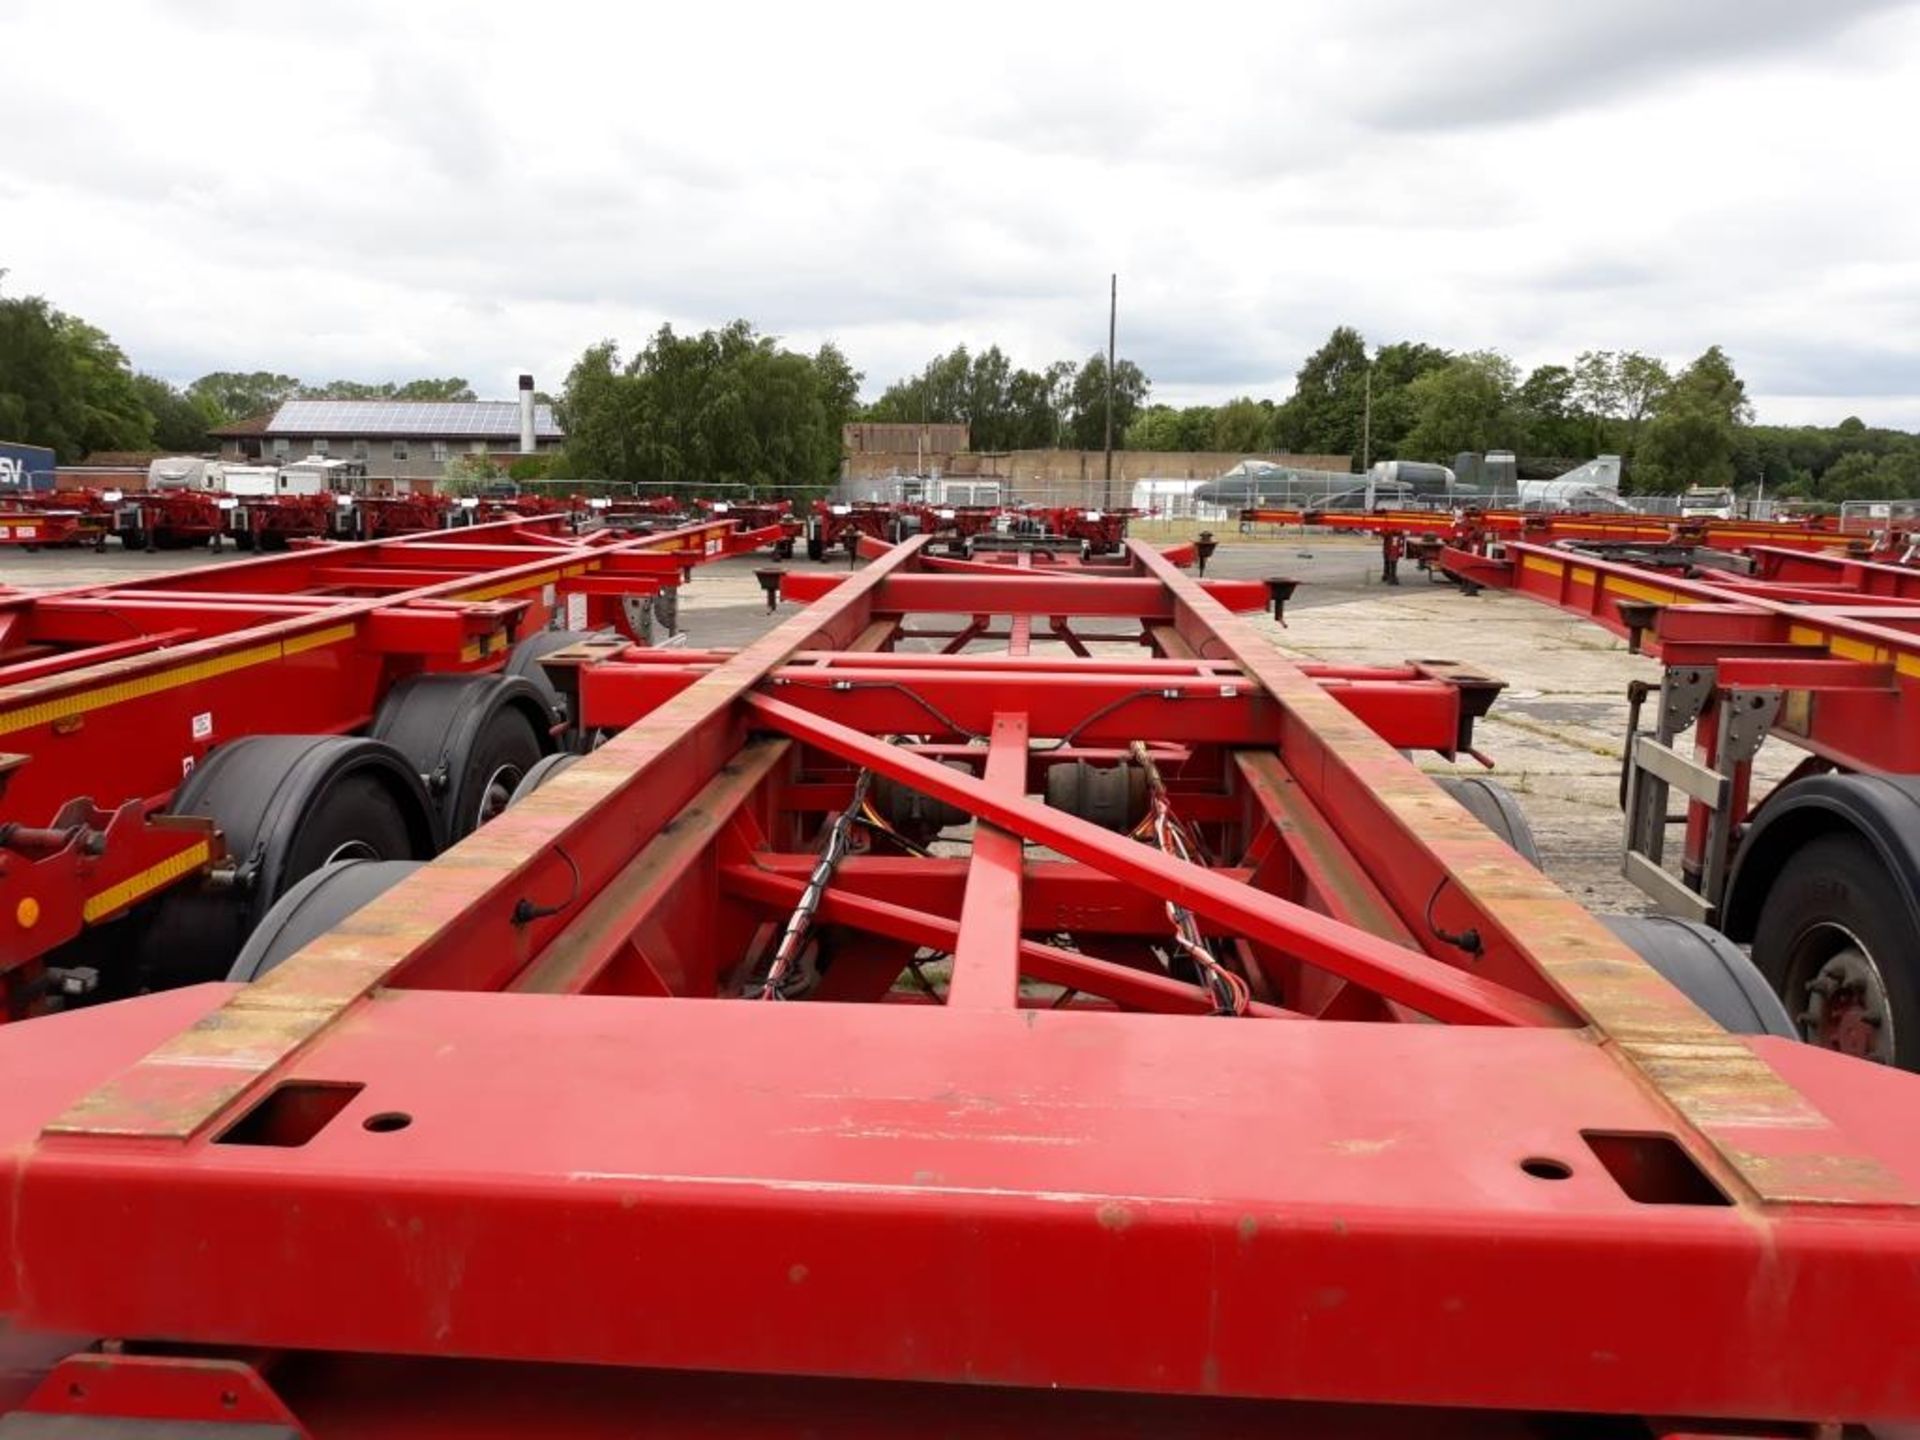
[{"x": 385, "y": 190}]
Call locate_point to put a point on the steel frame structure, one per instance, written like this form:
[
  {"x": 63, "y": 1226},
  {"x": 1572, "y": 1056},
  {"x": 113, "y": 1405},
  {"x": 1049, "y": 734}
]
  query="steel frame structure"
[
  {"x": 1443, "y": 1158},
  {"x": 111, "y": 694},
  {"x": 1820, "y": 650},
  {"x": 1473, "y": 529}
]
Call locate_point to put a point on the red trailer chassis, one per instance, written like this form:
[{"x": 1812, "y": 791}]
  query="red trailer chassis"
[
  {"x": 35, "y": 520},
  {"x": 620, "y": 1109},
  {"x": 1821, "y": 651},
  {"x": 835, "y": 524},
  {"x": 110, "y": 695},
  {"x": 1472, "y": 529}
]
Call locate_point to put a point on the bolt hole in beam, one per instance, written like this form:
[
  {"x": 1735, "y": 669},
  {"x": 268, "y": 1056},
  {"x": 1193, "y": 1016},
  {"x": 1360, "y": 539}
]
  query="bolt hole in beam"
[
  {"x": 291, "y": 1114},
  {"x": 1653, "y": 1169},
  {"x": 1540, "y": 1167},
  {"x": 387, "y": 1121}
]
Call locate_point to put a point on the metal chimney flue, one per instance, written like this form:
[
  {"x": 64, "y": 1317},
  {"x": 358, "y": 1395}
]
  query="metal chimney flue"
[{"x": 528, "y": 439}]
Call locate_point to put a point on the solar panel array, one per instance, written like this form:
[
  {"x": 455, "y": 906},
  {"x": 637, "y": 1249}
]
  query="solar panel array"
[{"x": 411, "y": 418}]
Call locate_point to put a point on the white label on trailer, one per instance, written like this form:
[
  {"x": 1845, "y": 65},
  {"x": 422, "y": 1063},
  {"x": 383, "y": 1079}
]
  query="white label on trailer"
[
  {"x": 228, "y": 504},
  {"x": 112, "y": 497},
  {"x": 547, "y": 592},
  {"x": 598, "y": 504},
  {"x": 721, "y": 507},
  {"x": 203, "y": 725},
  {"x": 713, "y": 545},
  {"x": 26, "y": 532},
  {"x": 841, "y": 509},
  {"x": 576, "y": 612},
  {"x": 186, "y": 766},
  {"x": 944, "y": 514},
  {"x": 469, "y": 503}
]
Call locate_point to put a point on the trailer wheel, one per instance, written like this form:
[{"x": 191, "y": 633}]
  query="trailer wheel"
[
  {"x": 1832, "y": 942},
  {"x": 286, "y": 805},
  {"x": 523, "y": 661},
  {"x": 1493, "y": 805},
  {"x": 314, "y": 906},
  {"x": 543, "y": 770},
  {"x": 133, "y": 540},
  {"x": 472, "y": 738},
  {"x": 816, "y": 547},
  {"x": 1708, "y": 969}
]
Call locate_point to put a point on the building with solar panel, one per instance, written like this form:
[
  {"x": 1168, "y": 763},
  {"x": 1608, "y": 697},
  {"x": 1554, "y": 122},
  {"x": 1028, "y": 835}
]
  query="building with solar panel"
[{"x": 404, "y": 445}]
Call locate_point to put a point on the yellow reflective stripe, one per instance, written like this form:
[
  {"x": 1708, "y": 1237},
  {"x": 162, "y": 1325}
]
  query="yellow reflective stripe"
[
  {"x": 66, "y": 706},
  {"x": 116, "y": 898}
]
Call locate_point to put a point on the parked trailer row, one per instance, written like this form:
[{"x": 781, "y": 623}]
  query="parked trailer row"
[
  {"x": 183, "y": 749},
  {"x": 840, "y": 525},
  {"x": 789, "y": 1065},
  {"x": 1424, "y": 531},
  {"x": 1819, "y": 873}
]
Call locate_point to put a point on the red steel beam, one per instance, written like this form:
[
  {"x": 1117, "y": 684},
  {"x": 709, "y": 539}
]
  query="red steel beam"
[
  {"x": 1414, "y": 978},
  {"x": 986, "y": 965}
]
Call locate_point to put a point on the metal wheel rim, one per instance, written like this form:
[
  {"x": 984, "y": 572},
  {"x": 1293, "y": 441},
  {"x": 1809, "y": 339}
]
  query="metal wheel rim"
[
  {"x": 498, "y": 790},
  {"x": 1843, "y": 995},
  {"x": 351, "y": 850}
]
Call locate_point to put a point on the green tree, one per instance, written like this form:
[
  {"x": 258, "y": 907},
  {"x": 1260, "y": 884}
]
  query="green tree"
[
  {"x": 230, "y": 395},
  {"x": 1550, "y": 412},
  {"x": 65, "y": 385},
  {"x": 1466, "y": 404},
  {"x": 1395, "y": 368},
  {"x": 451, "y": 389},
  {"x": 706, "y": 413},
  {"x": 469, "y": 475},
  {"x": 1033, "y": 407},
  {"x": 179, "y": 422},
  {"x": 1157, "y": 427},
  {"x": 839, "y": 387},
  {"x": 1694, "y": 427},
  {"x": 1616, "y": 390},
  {"x": 1087, "y": 422},
  {"x": 1244, "y": 424},
  {"x": 1325, "y": 413}
]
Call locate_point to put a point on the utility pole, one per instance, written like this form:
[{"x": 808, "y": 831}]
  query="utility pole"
[
  {"x": 1113, "y": 317},
  {"x": 1366, "y": 426}
]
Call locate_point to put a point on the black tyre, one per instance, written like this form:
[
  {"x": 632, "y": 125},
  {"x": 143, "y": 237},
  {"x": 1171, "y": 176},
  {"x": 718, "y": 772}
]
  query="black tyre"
[
  {"x": 472, "y": 738},
  {"x": 1833, "y": 942},
  {"x": 523, "y": 662},
  {"x": 542, "y": 771},
  {"x": 286, "y": 805},
  {"x": 314, "y": 906},
  {"x": 1709, "y": 970},
  {"x": 1493, "y": 805},
  {"x": 816, "y": 547},
  {"x": 133, "y": 540}
]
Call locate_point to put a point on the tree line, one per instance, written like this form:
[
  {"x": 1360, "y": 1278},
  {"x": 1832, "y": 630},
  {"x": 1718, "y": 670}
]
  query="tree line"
[
  {"x": 725, "y": 407},
  {"x": 1414, "y": 401},
  {"x": 64, "y": 384},
  {"x": 732, "y": 406}
]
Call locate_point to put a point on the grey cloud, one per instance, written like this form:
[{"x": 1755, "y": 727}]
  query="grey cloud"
[{"x": 1447, "y": 67}]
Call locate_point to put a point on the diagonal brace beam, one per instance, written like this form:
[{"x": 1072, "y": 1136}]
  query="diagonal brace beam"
[
  {"x": 1140, "y": 989},
  {"x": 1394, "y": 971}
]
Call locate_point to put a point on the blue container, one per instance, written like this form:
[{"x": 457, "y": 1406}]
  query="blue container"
[{"x": 25, "y": 467}]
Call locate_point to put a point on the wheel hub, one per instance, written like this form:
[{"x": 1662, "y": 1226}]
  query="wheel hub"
[
  {"x": 499, "y": 791},
  {"x": 1847, "y": 1008}
]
